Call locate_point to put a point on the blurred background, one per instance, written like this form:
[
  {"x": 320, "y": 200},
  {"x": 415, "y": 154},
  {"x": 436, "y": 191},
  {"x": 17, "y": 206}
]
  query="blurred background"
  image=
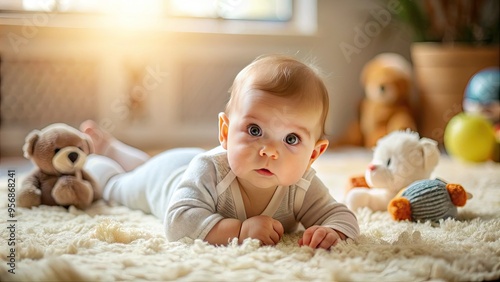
[{"x": 155, "y": 73}]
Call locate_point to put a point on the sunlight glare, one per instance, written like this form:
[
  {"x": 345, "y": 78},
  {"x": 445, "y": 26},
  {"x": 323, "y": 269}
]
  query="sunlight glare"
[
  {"x": 134, "y": 14},
  {"x": 193, "y": 8},
  {"x": 118, "y": 13}
]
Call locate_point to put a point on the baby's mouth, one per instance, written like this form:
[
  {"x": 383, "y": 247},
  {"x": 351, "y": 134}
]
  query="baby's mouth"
[{"x": 265, "y": 172}]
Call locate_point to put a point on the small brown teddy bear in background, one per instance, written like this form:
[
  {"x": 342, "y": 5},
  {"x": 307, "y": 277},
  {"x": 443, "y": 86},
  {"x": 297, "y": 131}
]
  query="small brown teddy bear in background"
[
  {"x": 58, "y": 152},
  {"x": 387, "y": 80}
]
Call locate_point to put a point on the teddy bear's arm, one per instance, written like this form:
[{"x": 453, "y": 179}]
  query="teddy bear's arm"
[
  {"x": 93, "y": 183},
  {"x": 69, "y": 190},
  {"x": 30, "y": 193},
  {"x": 375, "y": 198},
  {"x": 358, "y": 182},
  {"x": 399, "y": 208}
]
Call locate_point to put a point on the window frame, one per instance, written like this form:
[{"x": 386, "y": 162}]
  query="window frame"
[{"x": 303, "y": 22}]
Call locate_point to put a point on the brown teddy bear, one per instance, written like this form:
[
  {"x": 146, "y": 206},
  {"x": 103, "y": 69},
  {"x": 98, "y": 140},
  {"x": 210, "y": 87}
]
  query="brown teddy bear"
[
  {"x": 59, "y": 153},
  {"x": 386, "y": 105}
]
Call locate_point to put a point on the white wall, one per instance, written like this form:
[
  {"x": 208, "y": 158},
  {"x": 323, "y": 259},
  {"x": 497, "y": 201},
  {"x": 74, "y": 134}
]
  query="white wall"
[{"x": 181, "y": 79}]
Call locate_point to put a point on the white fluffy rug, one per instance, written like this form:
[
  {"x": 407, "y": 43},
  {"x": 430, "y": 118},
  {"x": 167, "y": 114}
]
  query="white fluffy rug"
[{"x": 114, "y": 243}]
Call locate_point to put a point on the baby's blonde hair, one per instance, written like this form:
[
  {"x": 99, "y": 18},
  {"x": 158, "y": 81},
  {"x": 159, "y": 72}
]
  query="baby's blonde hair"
[{"x": 283, "y": 76}]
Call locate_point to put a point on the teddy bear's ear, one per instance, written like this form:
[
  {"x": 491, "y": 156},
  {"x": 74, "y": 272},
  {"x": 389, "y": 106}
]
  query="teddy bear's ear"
[
  {"x": 430, "y": 152},
  {"x": 365, "y": 72},
  {"x": 30, "y": 141},
  {"x": 90, "y": 144}
]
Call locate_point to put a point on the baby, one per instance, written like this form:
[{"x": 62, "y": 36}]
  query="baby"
[{"x": 257, "y": 184}]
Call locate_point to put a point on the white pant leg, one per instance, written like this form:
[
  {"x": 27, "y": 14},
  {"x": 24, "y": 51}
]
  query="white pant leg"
[
  {"x": 144, "y": 188},
  {"x": 101, "y": 169}
]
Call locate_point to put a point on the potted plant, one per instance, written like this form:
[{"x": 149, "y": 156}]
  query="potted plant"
[{"x": 453, "y": 41}]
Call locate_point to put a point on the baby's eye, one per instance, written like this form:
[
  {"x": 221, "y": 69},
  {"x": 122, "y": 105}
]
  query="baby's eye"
[
  {"x": 292, "y": 139},
  {"x": 254, "y": 130},
  {"x": 388, "y": 161}
]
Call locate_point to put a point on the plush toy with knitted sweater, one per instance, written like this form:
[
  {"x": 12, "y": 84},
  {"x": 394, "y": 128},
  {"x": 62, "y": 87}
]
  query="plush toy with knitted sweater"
[
  {"x": 399, "y": 159},
  {"x": 428, "y": 200}
]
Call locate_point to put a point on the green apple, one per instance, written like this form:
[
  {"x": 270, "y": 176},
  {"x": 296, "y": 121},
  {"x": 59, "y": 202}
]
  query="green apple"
[{"x": 469, "y": 137}]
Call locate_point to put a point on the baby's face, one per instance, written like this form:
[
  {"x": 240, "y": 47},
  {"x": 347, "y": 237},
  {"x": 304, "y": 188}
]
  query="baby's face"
[{"x": 272, "y": 140}]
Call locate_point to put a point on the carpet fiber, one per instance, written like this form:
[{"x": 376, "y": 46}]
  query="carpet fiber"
[{"x": 114, "y": 243}]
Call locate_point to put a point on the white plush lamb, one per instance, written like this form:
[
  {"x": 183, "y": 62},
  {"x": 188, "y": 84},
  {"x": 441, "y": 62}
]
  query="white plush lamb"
[{"x": 399, "y": 159}]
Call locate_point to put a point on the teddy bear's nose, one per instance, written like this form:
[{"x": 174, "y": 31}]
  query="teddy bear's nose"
[
  {"x": 73, "y": 156},
  {"x": 372, "y": 167}
]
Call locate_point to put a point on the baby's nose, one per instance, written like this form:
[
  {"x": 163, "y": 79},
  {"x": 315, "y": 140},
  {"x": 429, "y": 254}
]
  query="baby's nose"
[{"x": 269, "y": 151}]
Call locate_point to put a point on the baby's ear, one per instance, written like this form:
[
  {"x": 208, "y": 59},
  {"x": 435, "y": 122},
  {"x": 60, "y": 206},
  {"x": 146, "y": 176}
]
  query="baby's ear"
[
  {"x": 319, "y": 149},
  {"x": 223, "y": 129},
  {"x": 29, "y": 144}
]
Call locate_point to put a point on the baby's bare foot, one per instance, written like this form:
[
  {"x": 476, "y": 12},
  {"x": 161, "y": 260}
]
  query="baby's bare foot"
[
  {"x": 101, "y": 138},
  {"x": 107, "y": 145}
]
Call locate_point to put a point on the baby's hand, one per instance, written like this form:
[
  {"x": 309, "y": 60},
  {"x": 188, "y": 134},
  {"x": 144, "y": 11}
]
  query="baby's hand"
[
  {"x": 264, "y": 228},
  {"x": 321, "y": 237}
]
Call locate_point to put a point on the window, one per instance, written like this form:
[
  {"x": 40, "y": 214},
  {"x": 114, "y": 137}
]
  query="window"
[
  {"x": 84, "y": 6},
  {"x": 273, "y": 10},
  {"x": 279, "y": 10},
  {"x": 212, "y": 16}
]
